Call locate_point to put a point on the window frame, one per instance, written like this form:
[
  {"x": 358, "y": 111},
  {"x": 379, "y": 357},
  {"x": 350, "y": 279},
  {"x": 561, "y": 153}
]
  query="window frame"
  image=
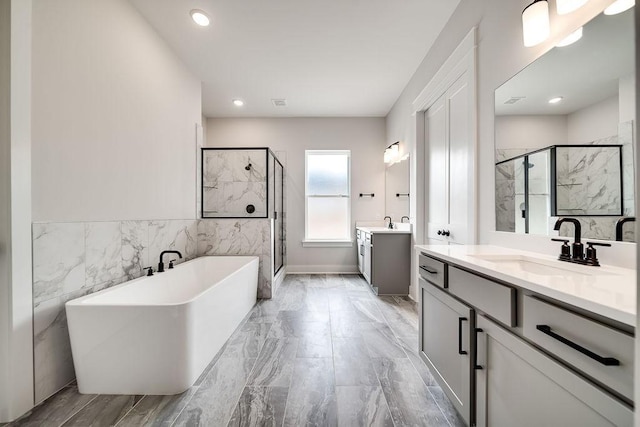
[{"x": 326, "y": 242}]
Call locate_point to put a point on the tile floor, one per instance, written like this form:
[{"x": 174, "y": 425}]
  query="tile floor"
[{"x": 324, "y": 352}]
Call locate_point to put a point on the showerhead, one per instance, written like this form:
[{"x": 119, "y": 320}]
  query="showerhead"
[{"x": 248, "y": 167}]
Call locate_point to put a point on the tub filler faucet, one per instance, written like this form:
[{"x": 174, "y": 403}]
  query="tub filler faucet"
[{"x": 161, "y": 264}]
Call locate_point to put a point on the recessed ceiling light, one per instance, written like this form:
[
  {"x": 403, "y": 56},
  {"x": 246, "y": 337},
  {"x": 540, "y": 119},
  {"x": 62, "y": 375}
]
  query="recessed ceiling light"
[
  {"x": 238, "y": 102},
  {"x": 199, "y": 17},
  {"x": 571, "y": 38},
  {"x": 619, "y": 7},
  {"x": 555, "y": 100}
]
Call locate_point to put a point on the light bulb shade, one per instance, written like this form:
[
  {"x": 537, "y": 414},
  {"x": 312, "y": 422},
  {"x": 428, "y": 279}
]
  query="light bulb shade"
[
  {"x": 387, "y": 155},
  {"x": 567, "y": 6},
  {"x": 571, "y": 38},
  {"x": 619, "y": 7},
  {"x": 535, "y": 23}
]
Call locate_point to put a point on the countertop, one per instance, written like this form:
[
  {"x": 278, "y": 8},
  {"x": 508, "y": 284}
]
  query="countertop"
[
  {"x": 607, "y": 290},
  {"x": 383, "y": 230}
]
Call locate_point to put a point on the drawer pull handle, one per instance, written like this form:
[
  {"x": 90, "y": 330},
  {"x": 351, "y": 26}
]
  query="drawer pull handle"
[
  {"x": 475, "y": 353},
  {"x": 429, "y": 270},
  {"x": 460, "y": 320},
  {"x": 607, "y": 361}
]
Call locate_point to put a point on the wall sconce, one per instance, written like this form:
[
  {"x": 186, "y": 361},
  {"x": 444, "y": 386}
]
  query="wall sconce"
[
  {"x": 619, "y": 6},
  {"x": 535, "y": 23},
  {"x": 392, "y": 153},
  {"x": 567, "y": 6}
]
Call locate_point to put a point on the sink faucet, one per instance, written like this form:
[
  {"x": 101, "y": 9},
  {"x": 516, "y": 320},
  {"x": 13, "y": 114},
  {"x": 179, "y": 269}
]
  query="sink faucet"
[
  {"x": 621, "y": 222},
  {"x": 161, "y": 264},
  {"x": 402, "y": 219},
  {"x": 577, "y": 247},
  {"x": 390, "y": 221}
]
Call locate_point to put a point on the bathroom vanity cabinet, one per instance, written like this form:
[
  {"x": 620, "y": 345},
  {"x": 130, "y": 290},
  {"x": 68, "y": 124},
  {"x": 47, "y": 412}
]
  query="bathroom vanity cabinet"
[
  {"x": 516, "y": 352},
  {"x": 385, "y": 259}
]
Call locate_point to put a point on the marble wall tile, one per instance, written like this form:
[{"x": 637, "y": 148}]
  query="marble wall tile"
[
  {"x": 135, "y": 247},
  {"x": 103, "y": 243},
  {"x": 230, "y": 237},
  {"x": 53, "y": 364},
  {"x": 178, "y": 235},
  {"x": 58, "y": 259},
  {"x": 505, "y": 197}
]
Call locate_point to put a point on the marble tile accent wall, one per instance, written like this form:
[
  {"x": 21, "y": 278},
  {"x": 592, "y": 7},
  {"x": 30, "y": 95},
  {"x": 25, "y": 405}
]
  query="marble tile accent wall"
[
  {"x": 75, "y": 259},
  {"x": 225, "y": 236},
  {"x": 505, "y": 197},
  {"x": 229, "y": 187}
]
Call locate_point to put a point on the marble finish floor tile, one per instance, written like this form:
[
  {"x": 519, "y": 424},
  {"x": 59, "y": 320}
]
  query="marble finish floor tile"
[
  {"x": 362, "y": 406},
  {"x": 312, "y": 395},
  {"x": 57, "y": 409},
  {"x": 260, "y": 406},
  {"x": 324, "y": 352},
  {"x": 104, "y": 410}
]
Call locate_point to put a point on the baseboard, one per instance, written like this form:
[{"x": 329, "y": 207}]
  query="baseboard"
[{"x": 322, "y": 269}]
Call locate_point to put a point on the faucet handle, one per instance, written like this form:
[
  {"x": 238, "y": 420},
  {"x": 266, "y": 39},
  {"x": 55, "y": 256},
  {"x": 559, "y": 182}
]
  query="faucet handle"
[
  {"x": 565, "y": 250},
  {"x": 149, "y": 270},
  {"x": 171, "y": 264},
  {"x": 592, "y": 258}
]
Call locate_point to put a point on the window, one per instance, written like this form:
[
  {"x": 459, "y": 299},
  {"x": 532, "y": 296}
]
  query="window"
[{"x": 328, "y": 196}]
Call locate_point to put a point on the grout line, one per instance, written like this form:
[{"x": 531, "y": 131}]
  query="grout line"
[
  {"x": 131, "y": 409},
  {"x": 78, "y": 411}
]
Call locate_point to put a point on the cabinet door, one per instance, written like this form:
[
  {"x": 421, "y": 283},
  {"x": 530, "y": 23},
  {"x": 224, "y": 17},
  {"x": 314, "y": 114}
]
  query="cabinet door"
[
  {"x": 517, "y": 385},
  {"x": 445, "y": 344},
  {"x": 437, "y": 197},
  {"x": 367, "y": 257}
]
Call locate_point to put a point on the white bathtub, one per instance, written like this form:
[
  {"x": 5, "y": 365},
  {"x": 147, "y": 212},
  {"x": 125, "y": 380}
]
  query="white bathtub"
[{"x": 155, "y": 335}]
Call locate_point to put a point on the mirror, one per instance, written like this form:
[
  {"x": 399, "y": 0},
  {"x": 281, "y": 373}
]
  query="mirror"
[
  {"x": 564, "y": 135},
  {"x": 396, "y": 179}
]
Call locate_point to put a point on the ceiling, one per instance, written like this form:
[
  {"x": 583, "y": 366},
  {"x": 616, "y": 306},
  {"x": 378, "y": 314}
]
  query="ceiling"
[
  {"x": 583, "y": 73},
  {"x": 328, "y": 58}
]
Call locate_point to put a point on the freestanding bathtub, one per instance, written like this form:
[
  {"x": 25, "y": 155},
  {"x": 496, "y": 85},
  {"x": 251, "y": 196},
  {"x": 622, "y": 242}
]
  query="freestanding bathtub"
[{"x": 156, "y": 335}]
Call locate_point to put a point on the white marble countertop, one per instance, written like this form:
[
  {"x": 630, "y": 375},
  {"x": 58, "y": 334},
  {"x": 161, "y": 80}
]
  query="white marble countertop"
[
  {"x": 608, "y": 291},
  {"x": 384, "y": 230}
]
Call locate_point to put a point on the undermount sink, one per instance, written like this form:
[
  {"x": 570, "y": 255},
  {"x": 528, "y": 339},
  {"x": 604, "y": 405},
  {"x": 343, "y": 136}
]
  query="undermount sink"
[{"x": 540, "y": 266}]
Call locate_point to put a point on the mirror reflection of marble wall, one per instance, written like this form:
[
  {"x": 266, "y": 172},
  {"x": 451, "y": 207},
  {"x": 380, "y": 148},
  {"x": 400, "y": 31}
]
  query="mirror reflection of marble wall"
[
  {"x": 397, "y": 189},
  {"x": 596, "y": 79}
]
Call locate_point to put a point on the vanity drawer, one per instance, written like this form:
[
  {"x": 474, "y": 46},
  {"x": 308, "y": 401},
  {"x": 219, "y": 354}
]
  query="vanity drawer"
[
  {"x": 494, "y": 299},
  {"x": 358, "y": 234},
  {"x": 569, "y": 336},
  {"x": 433, "y": 271}
]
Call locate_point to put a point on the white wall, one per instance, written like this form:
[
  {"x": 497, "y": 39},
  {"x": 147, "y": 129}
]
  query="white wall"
[
  {"x": 16, "y": 355},
  {"x": 363, "y": 136},
  {"x": 501, "y": 55},
  {"x": 627, "y": 96},
  {"x": 114, "y": 115},
  {"x": 530, "y": 131},
  {"x": 594, "y": 122}
]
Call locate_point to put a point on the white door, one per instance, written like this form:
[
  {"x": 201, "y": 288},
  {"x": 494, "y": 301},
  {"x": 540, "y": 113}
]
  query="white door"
[
  {"x": 449, "y": 147},
  {"x": 437, "y": 166}
]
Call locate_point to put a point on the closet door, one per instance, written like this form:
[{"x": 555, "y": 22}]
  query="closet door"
[
  {"x": 437, "y": 166},
  {"x": 460, "y": 162}
]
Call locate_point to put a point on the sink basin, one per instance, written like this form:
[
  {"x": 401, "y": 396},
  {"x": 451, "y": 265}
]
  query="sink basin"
[{"x": 541, "y": 267}]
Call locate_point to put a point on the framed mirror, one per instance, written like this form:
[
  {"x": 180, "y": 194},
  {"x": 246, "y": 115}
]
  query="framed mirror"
[
  {"x": 564, "y": 141},
  {"x": 396, "y": 179}
]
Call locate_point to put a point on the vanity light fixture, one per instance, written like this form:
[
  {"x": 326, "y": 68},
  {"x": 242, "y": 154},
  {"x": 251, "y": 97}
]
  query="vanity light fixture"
[
  {"x": 238, "y": 102},
  {"x": 571, "y": 38},
  {"x": 555, "y": 100},
  {"x": 567, "y": 6},
  {"x": 199, "y": 17},
  {"x": 392, "y": 153},
  {"x": 535, "y": 23},
  {"x": 619, "y": 6}
]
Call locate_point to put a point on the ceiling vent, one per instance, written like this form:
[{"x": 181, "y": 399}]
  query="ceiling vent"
[
  {"x": 279, "y": 102},
  {"x": 514, "y": 99}
]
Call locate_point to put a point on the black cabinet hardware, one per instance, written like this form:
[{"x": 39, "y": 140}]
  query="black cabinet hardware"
[
  {"x": 439, "y": 232},
  {"x": 367, "y": 195},
  {"x": 446, "y": 233},
  {"x": 475, "y": 354},
  {"x": 402, "y": 194},
  {"x": 460, "y": 320},
  {"x": 428, "y": 270},
  {"x": 607, "y": 361}
]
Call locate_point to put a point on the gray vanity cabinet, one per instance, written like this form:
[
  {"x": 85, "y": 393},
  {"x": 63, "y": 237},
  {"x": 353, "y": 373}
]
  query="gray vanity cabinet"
[
  {"x": 517, "y": 385},
  {"x": 445, "y": 344},
  {"x": 387, "y": 262}
]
